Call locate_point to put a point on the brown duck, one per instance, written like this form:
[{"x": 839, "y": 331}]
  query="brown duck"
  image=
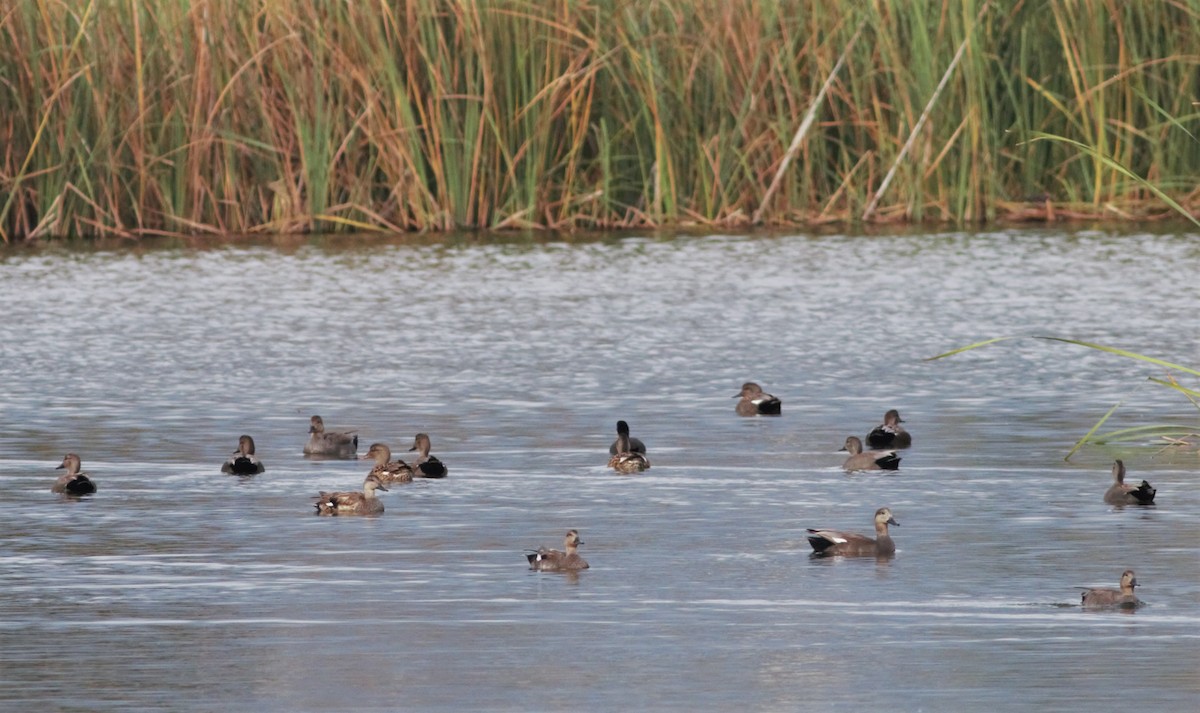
[
  {"x": 1123, "y": 598},
  {"x": 546, "y": 560},
  {"x": 853, "y": 544},
  {"x": 331, "y": 444},
  {"x": 1121, "y": 494},
  {"x": 73, "y": 482},
  {"x": 243, "y": 461},
  {"x": 426, "y": 466},
  {"x": 386, "y": 470},
  {"x": 756, "y": 402},
  {"x": 889, "y": 434},
  {"x": 352, "y": 503},
  {"x": 868, "y": 460}
]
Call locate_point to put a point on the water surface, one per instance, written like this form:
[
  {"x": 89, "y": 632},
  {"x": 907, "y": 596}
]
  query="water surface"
[{"x": 177, "y": 587}]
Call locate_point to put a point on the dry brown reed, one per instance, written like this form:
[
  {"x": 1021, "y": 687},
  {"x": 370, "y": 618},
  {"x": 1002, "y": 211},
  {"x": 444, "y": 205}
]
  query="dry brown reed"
[{"x": 140, "y": 118}]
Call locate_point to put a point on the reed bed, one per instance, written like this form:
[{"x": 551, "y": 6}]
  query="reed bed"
[{"x": 141, "y": 117}]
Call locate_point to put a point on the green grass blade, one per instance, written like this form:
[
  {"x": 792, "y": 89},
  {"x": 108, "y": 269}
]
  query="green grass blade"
[
  {"x": 1087, "y": 436},
  {"x": 1191, "y": 394},
  {"x": 1140, "y": 432},
  {"x": 969, "y": 347},
  {"x": 1125, "y": 353},
  {"x": 1114, "y": 165}
]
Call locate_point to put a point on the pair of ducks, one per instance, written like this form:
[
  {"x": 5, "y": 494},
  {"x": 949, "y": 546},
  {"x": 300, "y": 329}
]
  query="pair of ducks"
[
  {"x": 628, "y": 454},
  {"x": 331, "y": 444},
  {"x": 75, "y": 482},
  {"x": 888, "y": 435},
  {"x": 827, "y": 543},
  {"x": 385, "y": 472},
  {"x": 884, "y": 440}
]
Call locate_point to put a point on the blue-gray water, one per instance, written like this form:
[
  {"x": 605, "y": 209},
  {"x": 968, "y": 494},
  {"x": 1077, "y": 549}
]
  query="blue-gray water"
[{"x": 179, "y": 588}]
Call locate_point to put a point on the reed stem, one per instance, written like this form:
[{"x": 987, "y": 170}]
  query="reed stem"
[{"x": 168, "y": 117}]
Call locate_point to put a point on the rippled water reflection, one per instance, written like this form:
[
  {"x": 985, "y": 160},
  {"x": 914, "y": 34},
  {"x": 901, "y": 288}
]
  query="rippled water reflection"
[{"x": 177, "y": 587}]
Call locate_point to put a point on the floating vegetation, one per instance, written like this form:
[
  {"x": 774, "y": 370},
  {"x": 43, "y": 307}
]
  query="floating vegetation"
[{"x": 1169, "y": 435}]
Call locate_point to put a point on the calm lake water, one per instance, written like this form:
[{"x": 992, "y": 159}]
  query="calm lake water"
[{"x": 178, "y": 588}]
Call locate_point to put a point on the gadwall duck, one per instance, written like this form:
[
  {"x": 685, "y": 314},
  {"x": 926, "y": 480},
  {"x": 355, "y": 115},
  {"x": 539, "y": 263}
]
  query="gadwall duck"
[
  {"x": 635, "y": 445},
  {"x": 351, "y": 503},
  {"x": 755, "y": 402},
  {"x": 73, "y": 482},
  {"x": 868, "y": 460},
  {"x": 1123, "y": 598},
  {"x": 335, "y": 444},
  {"x": 427, "y": 466},
  {"x": 546, "y": 560},
  {"x": 1121, "y": 494},
  {"x": 387, "y": 470},
  {"x": 626, "y": 459},
  {"x": 852, "y": 544},
  {"x": 889, "y": 434},
  {"x": 243, "y": 461}
]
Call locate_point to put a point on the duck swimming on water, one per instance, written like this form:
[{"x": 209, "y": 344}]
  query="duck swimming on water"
[
  {"x": 756, "y": 402},
  {"x": 1120, "y": 493},
  {"x": 853, "y": 544},
  {"x": 334, "y": 444},
  {"x": 868, "y": 460},
  {"x": 426, "y": 466},
  {"x": 386, "y": 470},
  {"x": 73, "y": 482},
  {"x": 352, "y": 503},
  {"x": 635, "y": 444},
  {"x": 546, "y": 560},
  {"x": 889, "y": 434},
  {"x": 243, "y": 461},
  {"x": 1123, "y": 598}
]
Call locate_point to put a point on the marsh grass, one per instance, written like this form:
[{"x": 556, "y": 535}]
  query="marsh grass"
[
  {"x": 1171, "y": 435},
  {"x": 124, "y": 117}
]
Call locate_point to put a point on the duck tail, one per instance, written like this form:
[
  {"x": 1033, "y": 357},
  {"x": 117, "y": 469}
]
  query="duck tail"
[
  {"x": 1144, "y": 494},
  {"x": 432, "y": 468},
  {"x": 819, "y": 544},
  {"x": 771, "y": 407},
  {"x": 891, "y": 461}
]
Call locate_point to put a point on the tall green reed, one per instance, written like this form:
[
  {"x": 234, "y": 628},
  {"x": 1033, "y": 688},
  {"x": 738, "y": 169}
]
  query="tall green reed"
[{"x": 133, "y": 118}]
